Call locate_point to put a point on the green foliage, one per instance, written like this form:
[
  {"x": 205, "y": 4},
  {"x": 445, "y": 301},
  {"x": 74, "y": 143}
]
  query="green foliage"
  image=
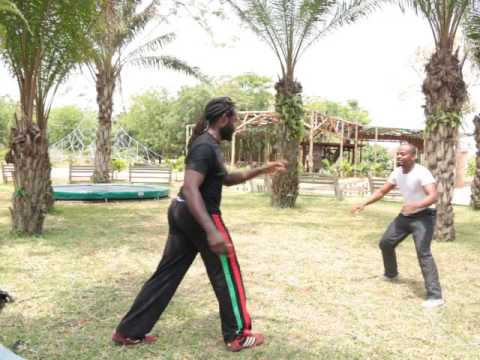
[
  {"x": 158, "y": 120},
  {"x": 377, "y": 157},
  {"x": 450, "y": 119},
  {"x": 63, "y": 120},
  {"x": 177, "y": 164},
  {"x": 7, "y": 111},
  {"x": 351, "y": 111},
  {"x": 249, "y": 91},
  {"x": 118, "y": 165},
  {"x": 471, "y": 167},
  {"x": 290, "y": 108},
  {"x": 150, "y": 119},
  {"x": 50, "y": 46},
  {"x": 370, "y": 165}
]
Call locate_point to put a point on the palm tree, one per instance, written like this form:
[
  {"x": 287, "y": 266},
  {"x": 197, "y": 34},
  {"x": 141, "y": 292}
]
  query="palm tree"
[
  {"x": 39, "y": 55},
  {"x": 476, "y": 179},
  {"x": 290, "y": 27},
  {"x": 119, "y": 23},
  {"x": 445, "y": 95},
  {"x": 472, "y": 32}
]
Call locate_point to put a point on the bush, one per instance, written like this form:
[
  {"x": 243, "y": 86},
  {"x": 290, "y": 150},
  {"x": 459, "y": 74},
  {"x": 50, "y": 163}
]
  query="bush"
[
  {"x": 177, "y": 164},
  {"x": 471, "y": 167},
  {"x": 3, "y": 152},
  {"x": 119, "y": 165}
]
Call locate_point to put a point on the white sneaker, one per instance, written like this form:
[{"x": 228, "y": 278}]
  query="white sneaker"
[{"x": 433, "y": 303}]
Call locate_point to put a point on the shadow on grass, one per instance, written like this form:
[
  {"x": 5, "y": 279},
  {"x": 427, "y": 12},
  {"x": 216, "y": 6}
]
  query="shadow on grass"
[{"x": 416, "y": 286}]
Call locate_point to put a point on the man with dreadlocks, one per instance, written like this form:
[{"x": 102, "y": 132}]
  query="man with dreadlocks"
[{"x": 196, "y": 226}]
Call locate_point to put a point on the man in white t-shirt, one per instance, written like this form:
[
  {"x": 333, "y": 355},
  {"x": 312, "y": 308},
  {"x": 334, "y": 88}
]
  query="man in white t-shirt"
[{"x": 419, "y": 191}]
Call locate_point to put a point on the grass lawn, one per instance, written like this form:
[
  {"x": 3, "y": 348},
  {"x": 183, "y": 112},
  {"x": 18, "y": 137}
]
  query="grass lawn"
[{"x": 313, "y": 277}]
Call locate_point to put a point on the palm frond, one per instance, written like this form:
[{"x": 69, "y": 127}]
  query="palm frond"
[
  {"x": 471, "y": 27},
  {"x": 7, "y": 6},
  {"x": 290, "y": 27},
  {"x": 153, "y": 45},
  {"x": 130, "y": 24},
  {"x": 444, "y": 17},
  {"x": 168, "y": 62}
]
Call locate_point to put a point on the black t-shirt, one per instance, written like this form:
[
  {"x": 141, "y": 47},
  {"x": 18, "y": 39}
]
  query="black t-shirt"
[{"x": 206, "y": 157}]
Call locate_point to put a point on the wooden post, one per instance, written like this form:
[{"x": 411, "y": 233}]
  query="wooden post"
[
  {"x": 355, "y": 150},
  {"x": 310, "y": 150},
  {"x": 375, "y": 148},
  {"x": 341, "y": 142},
  {"x": 232, "y": 152}
]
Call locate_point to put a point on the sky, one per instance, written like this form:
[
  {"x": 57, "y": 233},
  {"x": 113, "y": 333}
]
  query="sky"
[{"x": 373, "y": 61}]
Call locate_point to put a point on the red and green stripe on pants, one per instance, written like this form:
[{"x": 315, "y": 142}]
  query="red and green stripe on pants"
[{"x": 233, "y": 278}]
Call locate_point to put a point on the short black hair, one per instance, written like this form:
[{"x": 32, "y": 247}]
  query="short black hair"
[{"x": 412, "y": 148}]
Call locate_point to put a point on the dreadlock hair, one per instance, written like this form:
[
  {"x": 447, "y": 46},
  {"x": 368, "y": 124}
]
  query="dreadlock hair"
[{"x": 215, "y": 109}]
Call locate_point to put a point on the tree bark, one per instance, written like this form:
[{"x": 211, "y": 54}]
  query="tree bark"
[
  {"x": 445, "y": 94},
  {"x": 105, "y": 84},
  {"x": 476, "y": 178},
  {"x": 288, "y": 104},
  {"x": 31, "y": 198}
]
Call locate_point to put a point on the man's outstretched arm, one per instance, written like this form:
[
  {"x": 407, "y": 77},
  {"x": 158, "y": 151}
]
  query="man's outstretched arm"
[
  {"x": 377, "y": 195},
  {"x": 239, "y": 177}
]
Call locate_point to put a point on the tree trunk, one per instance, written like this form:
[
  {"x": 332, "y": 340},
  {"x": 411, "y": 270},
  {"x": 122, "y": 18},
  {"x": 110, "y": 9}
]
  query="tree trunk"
[
  {"x": 31, "y": 198},
  {"x": 476, "y": 178},
  {"x": 445, "y": 94},
  {"x": 288, "y": 104},
  {"x": 103, "y": 153}
]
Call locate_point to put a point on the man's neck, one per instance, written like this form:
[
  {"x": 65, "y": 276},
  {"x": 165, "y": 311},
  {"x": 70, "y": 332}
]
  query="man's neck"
[
  {"x": 215, "y": 134},
  {"x": 407, "y": 169}
]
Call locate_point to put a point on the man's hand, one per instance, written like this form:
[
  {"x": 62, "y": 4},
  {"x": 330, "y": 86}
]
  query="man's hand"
[
  {"x": 357, "y": 208},
  {"x": 217, "y": 244},
  {"x": 274, "y": 167},
  {"x": 408, "y": 209}
]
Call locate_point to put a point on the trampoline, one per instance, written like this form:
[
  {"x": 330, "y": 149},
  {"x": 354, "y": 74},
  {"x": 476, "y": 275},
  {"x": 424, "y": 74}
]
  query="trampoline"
[{"x": 108, "y": 192}]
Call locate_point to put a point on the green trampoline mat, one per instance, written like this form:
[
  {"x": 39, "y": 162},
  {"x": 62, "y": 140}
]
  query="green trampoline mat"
[{"x": 108, "y": 192}]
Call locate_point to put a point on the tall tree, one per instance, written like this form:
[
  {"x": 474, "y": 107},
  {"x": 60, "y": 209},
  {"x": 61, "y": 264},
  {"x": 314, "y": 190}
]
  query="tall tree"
[
  {"x": 472, "y": 32},
  {"x": 476, "y": 177},
  {"x": 39, "y": 56},
  {"x": 445, "y": 95},
  {"x": 289, "y": 27},
  {"x": 119, "y": 23},
  {"x": 7, "y": 111}
]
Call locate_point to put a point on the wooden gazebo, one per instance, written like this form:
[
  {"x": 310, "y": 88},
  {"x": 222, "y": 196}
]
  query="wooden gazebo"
[{"x": 351, "y": 135}]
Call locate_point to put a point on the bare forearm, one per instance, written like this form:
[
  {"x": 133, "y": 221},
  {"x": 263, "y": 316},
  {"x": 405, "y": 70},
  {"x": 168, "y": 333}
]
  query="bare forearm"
[
  {"x": 242, "y": 176},
  {"x": 197, "y": 208},
  {"x": 377, "y": 195},
  {"x": 429, "y": 200}
]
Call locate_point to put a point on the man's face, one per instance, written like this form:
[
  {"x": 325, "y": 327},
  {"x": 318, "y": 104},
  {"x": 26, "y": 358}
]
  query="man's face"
[
  {"x": 405, "y": 156},
  {"x": 227, "y": 131}
]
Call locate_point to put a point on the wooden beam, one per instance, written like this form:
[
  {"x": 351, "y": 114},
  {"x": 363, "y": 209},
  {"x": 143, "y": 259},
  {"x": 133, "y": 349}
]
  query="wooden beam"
[
  {"x": 232, "y": 152},
  {"x": 342, "y": 126},
  {"x": 355, "y": 150},
  {"x": 310, "y": 143}
]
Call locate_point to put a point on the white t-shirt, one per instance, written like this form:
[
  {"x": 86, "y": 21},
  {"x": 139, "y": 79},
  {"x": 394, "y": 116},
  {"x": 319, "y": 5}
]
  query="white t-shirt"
[{"x": 411, "y": 184}]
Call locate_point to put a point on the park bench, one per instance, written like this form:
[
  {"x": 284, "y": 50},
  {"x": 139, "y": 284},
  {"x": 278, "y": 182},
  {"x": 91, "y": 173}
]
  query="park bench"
[
  {"x": 82, "y": 173},
  {"x": 322, "y": 185},
  {"x": 377, "y": 183},
  {"x": 7, "y": 172},
  {"x": 149, "y": 174}
]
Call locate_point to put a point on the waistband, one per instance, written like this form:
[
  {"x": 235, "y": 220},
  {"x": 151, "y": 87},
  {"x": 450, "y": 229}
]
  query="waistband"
[{"x": 424, "y": 212}]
